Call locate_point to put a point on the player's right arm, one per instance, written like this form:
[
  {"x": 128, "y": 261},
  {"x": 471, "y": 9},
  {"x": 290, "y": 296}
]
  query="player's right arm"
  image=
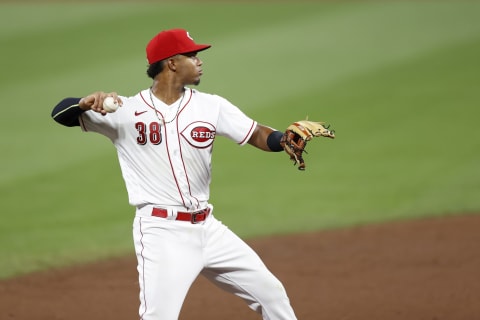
[{"x": 67, "y": 111}]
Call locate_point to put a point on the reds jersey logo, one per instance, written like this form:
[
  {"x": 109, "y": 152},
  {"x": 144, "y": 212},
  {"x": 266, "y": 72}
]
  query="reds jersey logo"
[{"x": 199, "y": 134}]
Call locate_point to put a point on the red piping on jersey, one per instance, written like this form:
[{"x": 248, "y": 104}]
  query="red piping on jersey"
[
  {"x": 143, "y": 268},
  {"x": 82, "y": 124},
  {"x": 150, "y": 106},
  {"x": 180, "y": 146},
  {"x": 168, "y": 151},
  {"x": 171, "y": 166},
  {"x": 248, "y": 134}
]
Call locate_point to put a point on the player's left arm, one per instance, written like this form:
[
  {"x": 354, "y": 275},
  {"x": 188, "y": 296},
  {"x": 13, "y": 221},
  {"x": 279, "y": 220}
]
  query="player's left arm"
[{"x": 266, "y": 138}]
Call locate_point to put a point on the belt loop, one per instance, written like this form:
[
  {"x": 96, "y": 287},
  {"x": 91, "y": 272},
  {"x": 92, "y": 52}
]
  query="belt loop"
[{"x": 171, "y": 214}]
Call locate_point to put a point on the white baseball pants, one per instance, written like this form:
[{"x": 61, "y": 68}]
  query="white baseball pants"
[{"x": 171, "y": 254}]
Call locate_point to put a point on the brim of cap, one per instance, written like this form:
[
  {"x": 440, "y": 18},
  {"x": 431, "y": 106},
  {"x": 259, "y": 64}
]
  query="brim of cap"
[{"x": 197, "y": 48}]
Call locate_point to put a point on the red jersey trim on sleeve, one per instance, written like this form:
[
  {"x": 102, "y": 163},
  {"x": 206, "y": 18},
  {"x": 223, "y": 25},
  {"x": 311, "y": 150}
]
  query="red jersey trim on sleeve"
[
  {"x": 249, "y": 134},
  {"x": 82, "y": 123}
]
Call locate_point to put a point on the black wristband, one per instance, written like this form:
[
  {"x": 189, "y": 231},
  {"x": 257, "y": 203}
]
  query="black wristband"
[{"x": 273, "y": 141}]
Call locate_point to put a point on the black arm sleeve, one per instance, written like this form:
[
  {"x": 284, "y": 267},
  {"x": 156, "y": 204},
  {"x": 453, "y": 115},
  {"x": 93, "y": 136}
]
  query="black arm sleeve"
[{"x": 67, "y": 111}]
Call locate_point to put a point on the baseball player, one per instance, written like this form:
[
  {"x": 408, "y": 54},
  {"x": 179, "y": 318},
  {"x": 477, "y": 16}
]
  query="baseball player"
[{"x": 164, "y": 138}]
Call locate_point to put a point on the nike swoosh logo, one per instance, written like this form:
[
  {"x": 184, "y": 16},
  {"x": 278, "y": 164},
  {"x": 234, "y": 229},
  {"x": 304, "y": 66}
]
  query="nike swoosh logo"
[{"x": 137, "y": 113}]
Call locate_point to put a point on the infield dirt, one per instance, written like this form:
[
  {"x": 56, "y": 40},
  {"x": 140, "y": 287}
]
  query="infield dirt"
[{"x": 426, "y": 269}]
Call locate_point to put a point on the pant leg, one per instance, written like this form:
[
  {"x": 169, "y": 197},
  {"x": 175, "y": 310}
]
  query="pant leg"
[
  {"x": 169, "y": 259},
  {"x": 233, "y": 266}
]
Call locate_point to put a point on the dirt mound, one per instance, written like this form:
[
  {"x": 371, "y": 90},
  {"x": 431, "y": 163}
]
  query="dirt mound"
[{"x": 423, "y": 269}]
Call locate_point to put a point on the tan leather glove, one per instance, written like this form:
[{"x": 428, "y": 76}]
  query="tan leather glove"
[{"x": 296, "y": 136}]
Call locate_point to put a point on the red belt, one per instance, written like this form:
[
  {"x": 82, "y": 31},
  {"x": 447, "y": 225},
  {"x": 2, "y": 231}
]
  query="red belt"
[{"x": 193, "y": 217}]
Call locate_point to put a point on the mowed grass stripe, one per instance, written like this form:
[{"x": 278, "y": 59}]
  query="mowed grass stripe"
[
  {"x": 399, "y": 148},
  {"x": 319, "y": 49},
  {"x": 115, "y": 35},
  {"x": 70, "y": 215},
  {"x": 25, "y": 20}
]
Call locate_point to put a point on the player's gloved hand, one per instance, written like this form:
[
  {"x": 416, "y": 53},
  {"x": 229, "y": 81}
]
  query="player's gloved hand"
[{"x": 295, "y": 138}]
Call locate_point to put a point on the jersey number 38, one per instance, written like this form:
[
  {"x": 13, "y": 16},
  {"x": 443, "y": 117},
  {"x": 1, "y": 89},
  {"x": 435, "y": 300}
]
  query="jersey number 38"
[{"x": 148, "y": 132}]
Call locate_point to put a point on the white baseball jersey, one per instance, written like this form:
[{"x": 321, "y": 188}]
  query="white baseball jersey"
[{"x": 165, "y": 150}]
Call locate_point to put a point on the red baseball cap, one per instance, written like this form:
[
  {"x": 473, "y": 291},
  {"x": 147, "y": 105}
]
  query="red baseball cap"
[{"x": 168, "y": 43}]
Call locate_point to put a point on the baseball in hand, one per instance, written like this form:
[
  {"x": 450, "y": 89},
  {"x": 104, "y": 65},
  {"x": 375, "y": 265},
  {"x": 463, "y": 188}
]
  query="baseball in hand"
[{"x": 110, "y": 105}]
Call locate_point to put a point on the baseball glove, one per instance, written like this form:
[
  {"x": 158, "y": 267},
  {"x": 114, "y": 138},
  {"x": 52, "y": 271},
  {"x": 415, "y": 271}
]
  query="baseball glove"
[{"x": 295, "y": 138}]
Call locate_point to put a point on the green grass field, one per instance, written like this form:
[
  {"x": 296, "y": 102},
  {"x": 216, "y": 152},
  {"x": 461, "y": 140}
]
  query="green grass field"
[{"x": 399, "y": 81}]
